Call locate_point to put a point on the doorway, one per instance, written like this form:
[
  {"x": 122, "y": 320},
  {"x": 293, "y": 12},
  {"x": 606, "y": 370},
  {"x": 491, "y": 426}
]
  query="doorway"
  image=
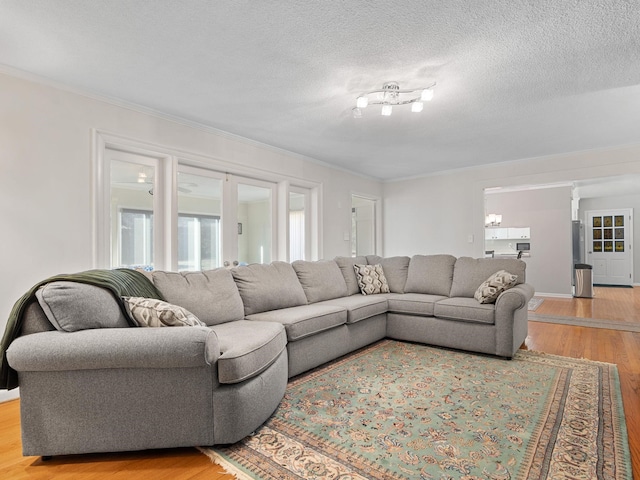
[
  {"x": 609, "y": 238},
  {"x": 363, "y": 226}
]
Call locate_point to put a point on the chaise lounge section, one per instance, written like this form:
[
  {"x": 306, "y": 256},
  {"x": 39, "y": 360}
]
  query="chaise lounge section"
[{"x": 119, "y": 388}]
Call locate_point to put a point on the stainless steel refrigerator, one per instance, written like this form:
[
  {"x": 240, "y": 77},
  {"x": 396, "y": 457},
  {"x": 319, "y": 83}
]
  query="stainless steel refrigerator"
[
  {"x": 577, "y": 242},
  {"x": 577, "y": 235}
]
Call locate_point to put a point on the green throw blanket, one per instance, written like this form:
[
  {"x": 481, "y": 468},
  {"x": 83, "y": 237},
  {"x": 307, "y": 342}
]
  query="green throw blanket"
[{"x": 121, "y": 282}]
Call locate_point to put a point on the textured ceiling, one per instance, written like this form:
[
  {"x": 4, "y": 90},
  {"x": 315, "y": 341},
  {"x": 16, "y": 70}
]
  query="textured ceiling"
[{"x": 515, "y": 78}]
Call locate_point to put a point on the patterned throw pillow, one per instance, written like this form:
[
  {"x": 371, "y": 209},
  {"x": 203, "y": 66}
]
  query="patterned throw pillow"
[
  {"x": 149, "y": 312},
  {"x": 371, "y": 279},
  {"x": 493, "y": 286}
]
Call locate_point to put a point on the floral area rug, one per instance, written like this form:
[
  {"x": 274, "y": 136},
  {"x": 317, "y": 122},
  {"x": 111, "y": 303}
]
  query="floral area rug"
[{"x": 398, "y": 410}]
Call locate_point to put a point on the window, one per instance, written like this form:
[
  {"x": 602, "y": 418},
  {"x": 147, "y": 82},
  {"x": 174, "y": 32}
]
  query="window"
[
  {"x": 136, "y": 239},
  {"x": 156, "y": 208},
  {"x": 296, "y": 235},
  {"x": 198, "y": 242},
  {"x": 298, "y": 199},
  {"x": 134, "y": 227}
]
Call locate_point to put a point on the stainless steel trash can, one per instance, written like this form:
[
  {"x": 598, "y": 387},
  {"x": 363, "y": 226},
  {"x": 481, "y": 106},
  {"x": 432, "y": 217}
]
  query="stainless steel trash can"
[{"x": 583, "y": 280}]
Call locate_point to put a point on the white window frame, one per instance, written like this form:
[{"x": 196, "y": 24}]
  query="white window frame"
[{"x": 168, "y": 162}]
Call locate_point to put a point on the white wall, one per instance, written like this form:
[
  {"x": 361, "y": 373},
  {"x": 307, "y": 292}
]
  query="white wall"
[
  {"x": 45, "y": 178},
  {"x": 616, "y": 202},
  {"x": 547, "y": 212},
  {"x": 442, "y": 213}
]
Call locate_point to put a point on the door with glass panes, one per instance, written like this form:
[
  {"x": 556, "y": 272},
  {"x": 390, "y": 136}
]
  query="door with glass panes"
[
  {"x": 608, "y": 245},
  {"x": 223, "y": 220}
]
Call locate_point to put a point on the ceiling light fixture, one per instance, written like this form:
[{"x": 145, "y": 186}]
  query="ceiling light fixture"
[
  {"x": 390, "y": 95},
  {"x": 492, "y": 220}
]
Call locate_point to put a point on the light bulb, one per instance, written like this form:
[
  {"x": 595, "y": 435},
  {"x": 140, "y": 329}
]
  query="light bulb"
[
  {"x": 386, "y": 110},
  {"x": 362, "y": 101},
  {"x": 427, "y": 95},
  {"x": 417, "y": 107},
  {"x": 357, "y": 113}
]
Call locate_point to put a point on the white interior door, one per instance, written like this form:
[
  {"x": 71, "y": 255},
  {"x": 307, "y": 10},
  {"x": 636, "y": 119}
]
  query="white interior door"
[
  {"x": 609, "y": 240},
  {"x": 363, "y": 226}
]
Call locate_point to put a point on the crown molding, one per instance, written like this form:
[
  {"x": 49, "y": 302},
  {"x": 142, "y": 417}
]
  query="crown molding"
[{"x": 31, "y": 77}]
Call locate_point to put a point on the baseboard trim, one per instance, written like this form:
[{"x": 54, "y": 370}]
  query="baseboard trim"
[
  {"x": 7, "y": 395},
  {"x": 553, "y": 295}
]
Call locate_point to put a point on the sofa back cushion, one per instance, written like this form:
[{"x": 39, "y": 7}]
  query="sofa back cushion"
[
  {"x": 211, "y": 295},
  {"x": 73, "y": 306},
  {"x": 346, "y": 267},
  {"x": 395, "y": 270},
  {"x": 430, "y": 274},
  {"x": 469, "y": 273},
  {"x": 321, "y": 280},
  {"x": 268, "y": 287}
]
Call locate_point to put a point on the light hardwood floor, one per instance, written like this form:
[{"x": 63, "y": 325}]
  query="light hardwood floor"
[{"x": 613, "y": 346}]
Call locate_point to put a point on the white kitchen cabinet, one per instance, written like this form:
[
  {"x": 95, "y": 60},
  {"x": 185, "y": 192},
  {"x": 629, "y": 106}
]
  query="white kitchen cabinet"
[
  {"x": 511, "y": 233},
  {"x": 519, "y": 233},
  {"x": 496, "y": 233}
]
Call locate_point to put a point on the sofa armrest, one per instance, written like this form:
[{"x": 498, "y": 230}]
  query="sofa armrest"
[
  {"x": 515, "y": 298},
  {"x": 109, "y": 348}
]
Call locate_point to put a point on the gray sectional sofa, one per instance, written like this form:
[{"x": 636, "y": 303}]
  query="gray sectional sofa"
[{"x": 123, "y": 388}]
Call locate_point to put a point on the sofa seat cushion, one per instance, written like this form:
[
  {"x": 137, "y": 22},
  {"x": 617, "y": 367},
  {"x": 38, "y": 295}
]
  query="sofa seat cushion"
[
  {"x": 465, "y": 309},
  {"x": 247, "y": 348},
  {"x": 360, "y": 307},
  {"x": 414, "y": 303},
  {"x": 300, "y": 322}
]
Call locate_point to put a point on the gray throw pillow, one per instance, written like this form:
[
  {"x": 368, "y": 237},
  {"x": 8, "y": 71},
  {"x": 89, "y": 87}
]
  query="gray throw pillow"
[
  {"x": 73, "y": 306},
  {"x": 371, "y": 279},
  {"x": 492, "y": 287},
  {"x": 150, "y": 312}
]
